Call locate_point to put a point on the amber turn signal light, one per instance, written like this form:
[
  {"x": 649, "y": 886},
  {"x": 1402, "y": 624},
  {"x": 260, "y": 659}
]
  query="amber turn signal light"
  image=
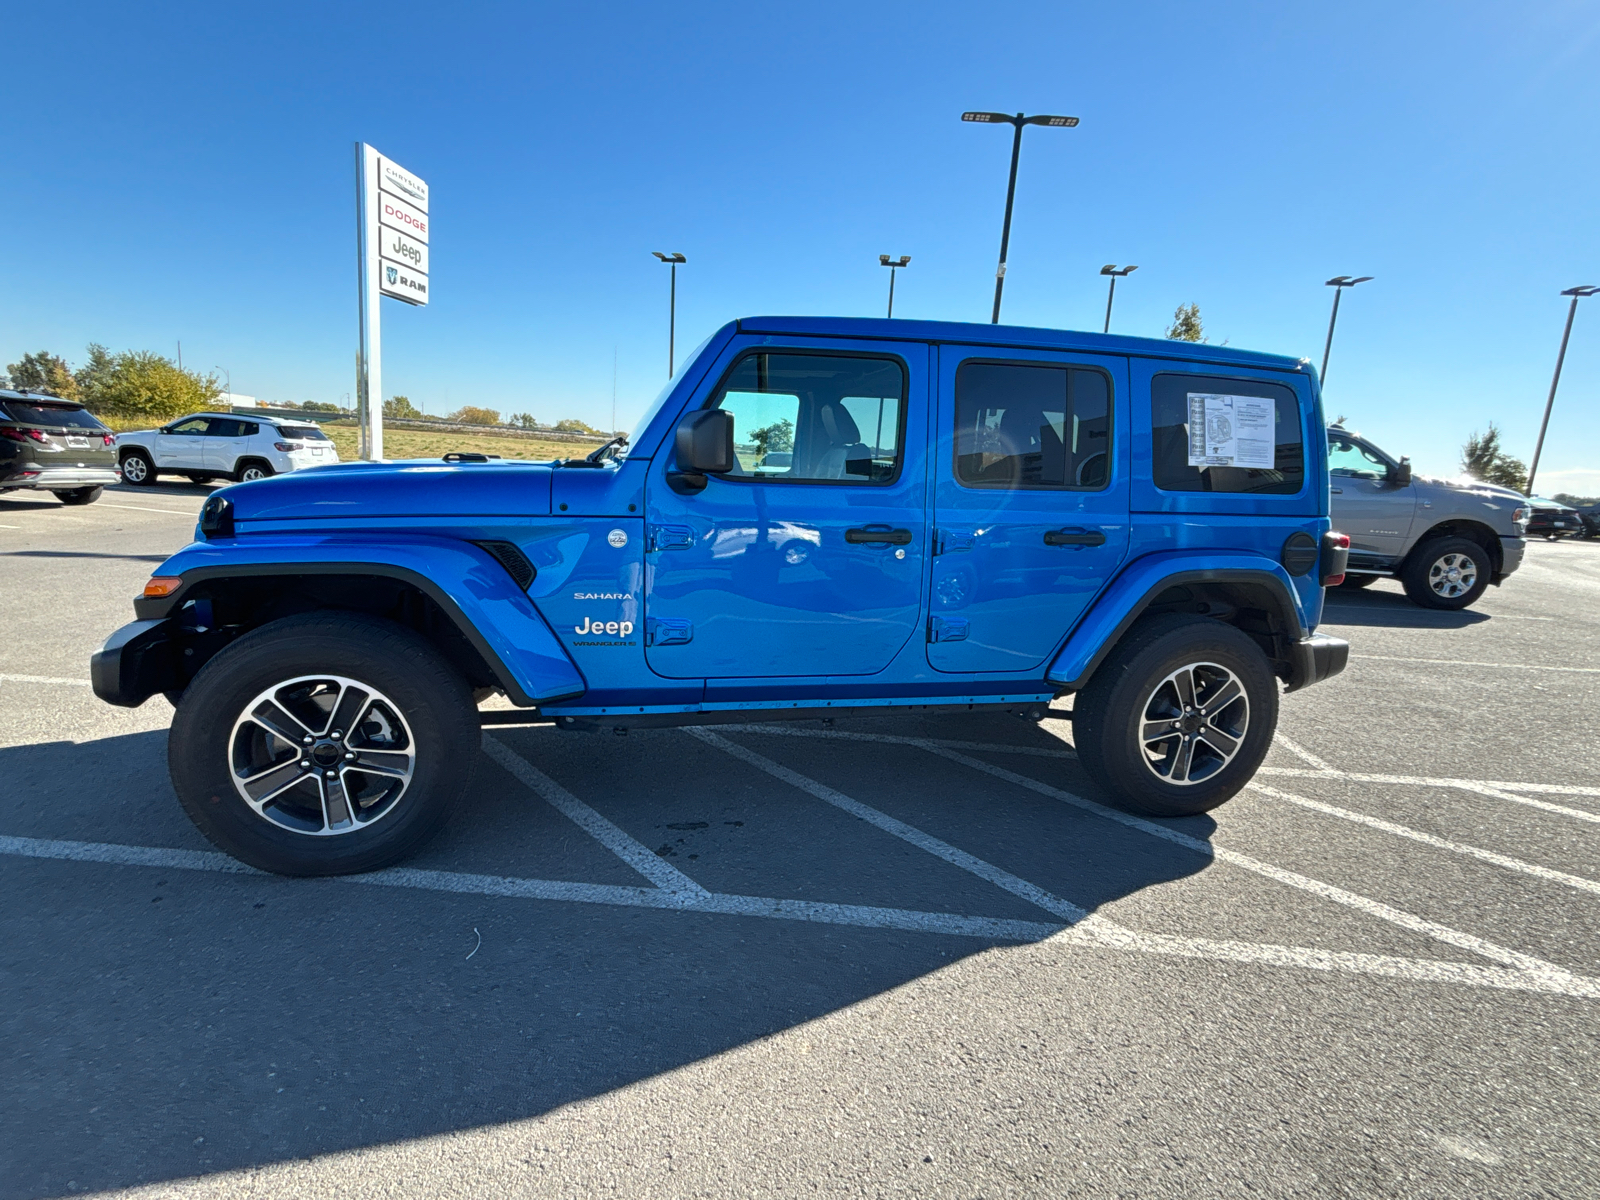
[{"x": 162, "y": 585}]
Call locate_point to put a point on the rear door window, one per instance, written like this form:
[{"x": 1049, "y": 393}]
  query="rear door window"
[
  {"x": 1032, "y": 426},
  {"x": 53, "y": 416},
  {"x": 1216, "y": 434}
]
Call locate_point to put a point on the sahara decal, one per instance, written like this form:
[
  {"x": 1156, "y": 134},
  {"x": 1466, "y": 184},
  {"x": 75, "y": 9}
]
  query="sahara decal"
[{"x": 602, "y": 595}]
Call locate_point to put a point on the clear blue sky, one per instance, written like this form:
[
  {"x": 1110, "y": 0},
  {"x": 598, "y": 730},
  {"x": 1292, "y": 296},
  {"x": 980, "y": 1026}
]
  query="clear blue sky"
[{"x": 186, "y": 173}]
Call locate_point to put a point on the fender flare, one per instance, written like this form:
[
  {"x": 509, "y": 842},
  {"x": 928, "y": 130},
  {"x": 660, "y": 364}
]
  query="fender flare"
[
  {"x": 1126, "y": 600},
  {"x": 494, "y": 615}
]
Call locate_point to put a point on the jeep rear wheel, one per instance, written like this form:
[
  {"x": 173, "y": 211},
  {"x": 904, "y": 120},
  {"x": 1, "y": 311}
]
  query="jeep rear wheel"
[
  {"x": 1178, "y": 718},
  {"x": 323, "y": 744},
  {"x": 1447, "y": 572},
  {"x": 254, "y": 469}
]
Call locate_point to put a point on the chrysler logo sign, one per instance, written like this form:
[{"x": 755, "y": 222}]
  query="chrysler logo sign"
[{"x": 397, "y": 181}]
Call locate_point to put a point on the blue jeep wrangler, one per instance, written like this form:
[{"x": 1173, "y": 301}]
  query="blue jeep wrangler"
[{"x": 816, "y": 518}]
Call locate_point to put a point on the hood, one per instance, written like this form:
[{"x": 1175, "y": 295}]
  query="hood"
[{"x": 408, "y": 488}]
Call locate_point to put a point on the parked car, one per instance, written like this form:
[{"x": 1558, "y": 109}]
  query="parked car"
[
  {"x": 207, "y": 446},
  {"x": 1010, "y": 537},
  {"x": 1550, "y": 519},
  {"x": 1445, "y": 540},
  {"x": 1589, "y": 514},
  {"x": 54, "y": 445}
]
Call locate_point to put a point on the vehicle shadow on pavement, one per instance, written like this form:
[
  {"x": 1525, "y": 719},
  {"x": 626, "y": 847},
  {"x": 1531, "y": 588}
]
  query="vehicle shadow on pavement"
[
  {"x": 163, "y": 1022},
  {"x": 1382, "y": 608}
]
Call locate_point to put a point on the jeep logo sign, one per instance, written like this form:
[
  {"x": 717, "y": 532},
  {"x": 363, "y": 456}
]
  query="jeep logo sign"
[{"x": 401, "y": 248}]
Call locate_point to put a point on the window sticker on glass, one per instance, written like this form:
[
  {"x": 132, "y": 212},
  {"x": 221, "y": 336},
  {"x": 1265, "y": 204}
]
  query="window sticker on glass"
[{"x": 1231, "y": 431}]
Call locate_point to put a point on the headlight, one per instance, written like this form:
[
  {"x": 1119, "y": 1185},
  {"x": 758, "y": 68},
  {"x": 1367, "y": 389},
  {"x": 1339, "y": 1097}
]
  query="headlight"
[{"x": 1520, "y": 516}]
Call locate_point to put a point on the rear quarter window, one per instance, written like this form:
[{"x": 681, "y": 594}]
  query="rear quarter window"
[{"x": 1212, "y": 433}]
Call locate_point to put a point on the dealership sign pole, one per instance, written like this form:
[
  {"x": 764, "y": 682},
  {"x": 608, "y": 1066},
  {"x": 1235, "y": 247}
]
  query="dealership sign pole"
[{"x": 392, "y": 260}]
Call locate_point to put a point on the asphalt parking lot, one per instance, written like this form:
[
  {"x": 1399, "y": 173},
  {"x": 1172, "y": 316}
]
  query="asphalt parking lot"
[{"x": 907, "y": 957}]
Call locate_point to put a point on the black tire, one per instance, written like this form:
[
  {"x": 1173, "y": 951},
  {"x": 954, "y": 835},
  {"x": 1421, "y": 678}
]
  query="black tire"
[
  {"x": 83, "y": 495},
  {"x": 137, "y": 469},
  {"x": 1111, "y": 711},
  {"x": 437, "y": 730},
  {"x": 1353, "y": 582},
  {"x": 262, "y": 470},
  {"x": 1433, "y": 588}
]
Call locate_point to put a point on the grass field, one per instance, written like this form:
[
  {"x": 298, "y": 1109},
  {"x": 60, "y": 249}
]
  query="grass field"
[{"x": 421, "y": 443}]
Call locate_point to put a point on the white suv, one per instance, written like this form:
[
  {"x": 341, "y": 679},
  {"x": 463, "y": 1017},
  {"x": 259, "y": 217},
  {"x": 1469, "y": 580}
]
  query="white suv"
[{"x": 206, "y": 446}]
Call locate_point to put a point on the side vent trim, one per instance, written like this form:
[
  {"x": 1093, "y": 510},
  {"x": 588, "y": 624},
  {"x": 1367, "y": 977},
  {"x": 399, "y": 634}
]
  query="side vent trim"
[{"x": 513, "y": 560}]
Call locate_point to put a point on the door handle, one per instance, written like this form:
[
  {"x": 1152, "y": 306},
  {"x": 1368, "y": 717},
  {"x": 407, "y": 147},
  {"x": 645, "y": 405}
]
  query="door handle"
[
  {"x": 869, "y": 534},
  {"x": 1074, "y": 537}
]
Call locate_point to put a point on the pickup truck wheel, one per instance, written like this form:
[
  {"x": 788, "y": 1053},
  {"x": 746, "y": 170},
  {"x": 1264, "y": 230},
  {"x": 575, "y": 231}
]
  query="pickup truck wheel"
[
  {"x": 137, "y": 468},
  {"x": 323, "y": 744},
  {"x": 1447, "y": 572},
  {"x": 1178, "y": 718}
]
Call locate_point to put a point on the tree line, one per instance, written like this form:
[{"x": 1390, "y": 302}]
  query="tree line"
[{"x": 133, "y": 383}]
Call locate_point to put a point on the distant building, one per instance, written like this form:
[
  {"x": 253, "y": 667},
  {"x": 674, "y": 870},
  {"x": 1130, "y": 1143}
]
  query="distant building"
[{"x": 239, "y": 401}]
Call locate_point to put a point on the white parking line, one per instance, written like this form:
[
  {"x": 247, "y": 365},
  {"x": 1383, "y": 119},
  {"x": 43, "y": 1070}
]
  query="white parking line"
[
  {"x": 1428, "y": 839},
  {"x": 896, "y": 740},
  {"x": 1454, "y": 662},
  {"x": 907, "y": 833},
  {"x": 1301, "y": 752},
  {"x": 1547, "y": 975},
  {"x": 1364, "y": 904},
  {"x": 43, "y": 679},
  {"x": 173, "y": 512},
  {"x": 1093, "y": 932},
  {"x": 637, "y": 855}
]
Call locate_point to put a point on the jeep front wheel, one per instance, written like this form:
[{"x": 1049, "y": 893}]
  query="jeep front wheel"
[
  {"x": 1447, "y": 572},
  {"x": 137, "y": 468},
  {"x": 323, "y": 744},
  {"x": 1178, "y": 718}
]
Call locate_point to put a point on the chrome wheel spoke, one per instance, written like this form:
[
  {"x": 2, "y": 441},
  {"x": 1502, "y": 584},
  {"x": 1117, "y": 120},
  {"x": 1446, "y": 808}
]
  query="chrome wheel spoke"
[
  {"x": 1182, "y": 760},
  {"x": 1226, "y": 695},
  {"x": 336, "y": 808},
  {"x": 1159, "y": 731},
  {"x": 1223, "y": 743},
  {"x": 268, "y": 782},
  {"x": 394, "y": 764},
  {"x": 347, "y": 713},
  {"x": 1183, "y": 682},
  {"x": 274, "y": 718}
]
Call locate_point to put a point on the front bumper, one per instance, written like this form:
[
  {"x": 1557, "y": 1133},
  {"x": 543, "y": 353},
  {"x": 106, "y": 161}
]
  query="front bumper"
[
  {"x": 62, "y": 478},
  {"x": 1315, "y": 658},
  {"x": 136, "y": 662},
  {"x": 1511, "y": 550}
]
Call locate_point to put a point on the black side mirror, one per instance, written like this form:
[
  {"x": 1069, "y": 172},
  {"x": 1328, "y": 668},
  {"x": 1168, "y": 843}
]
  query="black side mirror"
[
  {"x": 1401, "y": 476},
  {"x": 702, "y": 446}
]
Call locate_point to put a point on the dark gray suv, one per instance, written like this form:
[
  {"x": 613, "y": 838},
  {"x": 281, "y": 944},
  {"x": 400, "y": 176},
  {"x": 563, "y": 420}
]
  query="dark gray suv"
[{"x": 55, "y": 445}]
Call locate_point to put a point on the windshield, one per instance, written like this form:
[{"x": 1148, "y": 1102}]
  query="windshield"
[
  {"x": 307, "y": 432},
  {"x": 643, "y": 422},
  {"x": 56, "y": 416}
]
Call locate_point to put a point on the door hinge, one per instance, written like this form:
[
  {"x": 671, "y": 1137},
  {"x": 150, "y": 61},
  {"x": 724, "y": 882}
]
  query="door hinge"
[
  {"x": 947, "y": 629},
  {"x": 669, "y": 537},
  {"x": 951, "y": 541},
  {"x": 667, "y": 631}
]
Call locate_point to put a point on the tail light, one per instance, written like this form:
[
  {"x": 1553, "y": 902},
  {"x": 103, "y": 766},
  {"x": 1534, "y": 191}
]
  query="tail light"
[
  {"x": 1335, "y": 557},
  {"x": 24, "y": 435},
  {"x": 109, "y": 439},
  {"x": 286, "y": 447}
]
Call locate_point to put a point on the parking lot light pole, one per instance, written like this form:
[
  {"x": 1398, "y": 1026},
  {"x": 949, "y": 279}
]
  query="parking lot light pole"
[
  {"x": 894, "y": 265},
  {"x": 229, "y": 374},
  {"x": 1116, "y": 273},
  {"x": 1339, "y": 283},
  {"x": 672, "y": 260},
  {"x": 1016, "y": 122},
  {"x": 1577, "y": 293}
]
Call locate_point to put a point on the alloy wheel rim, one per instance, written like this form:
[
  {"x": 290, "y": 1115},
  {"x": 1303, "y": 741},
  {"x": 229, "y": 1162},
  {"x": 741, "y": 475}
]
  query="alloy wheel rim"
[
  {"x": 251, "y": 473},
  {"x": 1193, "y": 724},
  {"x": 321, "y": 755},
  {"x": 133, "y": 468},
  {"x": 1453, "y": 575}
]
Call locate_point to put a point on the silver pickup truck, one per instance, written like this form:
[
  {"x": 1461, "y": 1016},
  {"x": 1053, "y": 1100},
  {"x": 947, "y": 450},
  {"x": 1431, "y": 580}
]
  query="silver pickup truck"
[{"x": 1446, "y": 541}]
